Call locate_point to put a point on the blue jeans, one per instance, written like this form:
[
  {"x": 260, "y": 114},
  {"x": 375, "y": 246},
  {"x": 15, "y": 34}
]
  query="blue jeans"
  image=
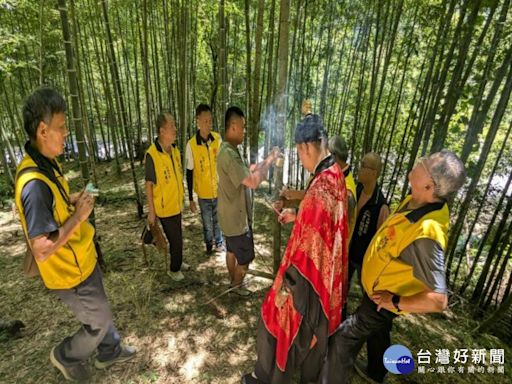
[{"x": 211, "y": 226}]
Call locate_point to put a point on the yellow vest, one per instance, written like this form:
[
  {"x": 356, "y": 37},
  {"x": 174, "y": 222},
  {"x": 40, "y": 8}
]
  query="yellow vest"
[
  {"x": 382, "y": 269},
  {"x": 168, "y": 190},
  {"x": 74, "y": 262},
  {"x": 351, "y": 187},
  {"x": 205, "y": 165}
]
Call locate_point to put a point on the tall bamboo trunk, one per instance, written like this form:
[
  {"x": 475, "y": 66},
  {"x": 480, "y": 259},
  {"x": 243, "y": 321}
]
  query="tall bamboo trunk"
[
  {"x": 73, "y": 89},
  {"x": 281, "y": 115},
  {"x": 119, "y": 96}
]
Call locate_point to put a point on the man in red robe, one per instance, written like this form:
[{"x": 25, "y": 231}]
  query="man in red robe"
[{"x": 303, "y": 306}]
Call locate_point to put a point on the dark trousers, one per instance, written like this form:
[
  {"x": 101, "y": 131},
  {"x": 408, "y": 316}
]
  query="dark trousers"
[
  {"x": 300, "y": 357},
  {"x": 365, "y": 325},
  {"x": 172, "y": 230},
  {"x": 90, "y": 306},
  {"x": 352, "y": 267}
]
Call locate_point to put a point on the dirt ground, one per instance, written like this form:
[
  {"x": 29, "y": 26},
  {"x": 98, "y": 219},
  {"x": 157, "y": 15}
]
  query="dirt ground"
[{"x": 179, "y": 338}]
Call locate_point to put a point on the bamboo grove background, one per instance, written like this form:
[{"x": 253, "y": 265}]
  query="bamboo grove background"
[{"x": 400, "y": 77}]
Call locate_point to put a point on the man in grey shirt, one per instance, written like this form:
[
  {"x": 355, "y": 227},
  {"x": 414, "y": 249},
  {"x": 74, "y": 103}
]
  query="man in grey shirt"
[{"x": 236, "y": 181}]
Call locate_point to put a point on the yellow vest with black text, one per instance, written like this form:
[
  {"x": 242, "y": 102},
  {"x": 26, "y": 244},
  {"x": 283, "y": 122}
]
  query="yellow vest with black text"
[
  {"x": 205, "y": 166},
  {"x": 168, "y": 190},
  {"x": 351, "y": 187},
  {"x": 74, "y": 262},
  {"x": 382, "y": 269}
]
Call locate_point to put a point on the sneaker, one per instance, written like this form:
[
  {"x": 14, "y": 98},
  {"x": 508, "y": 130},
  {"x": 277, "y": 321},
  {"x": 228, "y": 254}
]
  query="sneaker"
[
  {"x": 250, "y": 378},
  {"x": 176, "y": 276},
  {"x": 185, "y": 267},
  {"x": 73, "y": 372},
  {"x": 362, "y": 371},
  {"x": 209, "y": 249},
  {"x": 127, "y": 353}
]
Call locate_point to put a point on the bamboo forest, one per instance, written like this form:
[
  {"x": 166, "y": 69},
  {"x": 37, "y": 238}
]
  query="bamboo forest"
[{"x": 399, "y": 79}]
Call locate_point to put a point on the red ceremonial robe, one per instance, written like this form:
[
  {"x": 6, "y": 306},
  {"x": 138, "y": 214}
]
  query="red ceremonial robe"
[{"x": 318, "y": 249}]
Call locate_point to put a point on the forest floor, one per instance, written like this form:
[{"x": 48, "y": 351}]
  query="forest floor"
[{"x": 179, "y": 338}]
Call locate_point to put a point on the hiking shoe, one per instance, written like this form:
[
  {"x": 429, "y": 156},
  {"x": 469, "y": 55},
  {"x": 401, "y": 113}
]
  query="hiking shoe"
[
  {"x": 73, "y": 372},
  {"x": 250, "y": 378},
  {"x": 362, "y": 371},
  {"x": 176, "y": 276},
  {"x": 127, "y": 353}
]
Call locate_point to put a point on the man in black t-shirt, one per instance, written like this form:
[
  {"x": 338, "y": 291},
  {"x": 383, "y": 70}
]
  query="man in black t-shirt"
[{"x": 372, "y": 211}]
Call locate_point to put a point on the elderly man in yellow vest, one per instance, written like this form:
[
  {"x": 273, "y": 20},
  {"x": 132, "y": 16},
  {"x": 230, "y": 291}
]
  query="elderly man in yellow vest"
[
  {"x": 201, "y": 161},
  {"x": 164, "y": 189},
  {"x": 56, "y": 226},
  {"x": 403, "y": 269}
]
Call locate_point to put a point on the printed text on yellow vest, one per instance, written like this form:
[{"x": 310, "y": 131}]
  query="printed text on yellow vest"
[
  {"x": 168, "y": 190},
  {"x": 382, "y": 269},
  {"x": 205, "y": 166}
]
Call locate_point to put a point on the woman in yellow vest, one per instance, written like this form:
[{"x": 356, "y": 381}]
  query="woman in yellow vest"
[
  {"x": 201, "y": 161},
  {"x": 164, "y": 189},
  {"x": 60, "y": 237},
  {"x": 403, "y": 269}
]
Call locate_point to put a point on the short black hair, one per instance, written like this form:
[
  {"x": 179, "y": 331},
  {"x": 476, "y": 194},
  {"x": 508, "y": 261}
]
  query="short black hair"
[
  {"x": 310, "y": 130},
  {"x": 202, "y": 108},
  {"x": 41, "y": 105},
  {"x": 161, "y": 119},
  {"x": 230, "y": 113}
]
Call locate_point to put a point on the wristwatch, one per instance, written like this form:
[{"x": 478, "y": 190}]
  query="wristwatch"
[{"x": 396, "y": 301}]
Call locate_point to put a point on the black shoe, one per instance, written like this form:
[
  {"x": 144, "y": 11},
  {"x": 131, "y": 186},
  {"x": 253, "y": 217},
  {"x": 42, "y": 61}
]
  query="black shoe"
[
  {"x": 209, "y": 249},
  {"x": 127, "y": 353},
  {"x": 248, "y": 378},
  {"x": 362, "y": 371},
  {"x": 73, "y": 372}
]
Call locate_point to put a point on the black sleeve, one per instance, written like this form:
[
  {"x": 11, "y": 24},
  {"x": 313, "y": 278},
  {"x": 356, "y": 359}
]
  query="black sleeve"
[
  {"x": 427, "y": 259},
  {"x": 37, "y": 202},
  {"x": 149, "y": 169},
  {"x": 351, "y": 209},
  {"x": 190, "y": 184}
]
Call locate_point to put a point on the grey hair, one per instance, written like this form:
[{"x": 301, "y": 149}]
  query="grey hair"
[
  {"x": 162, "y": 118},
  {"x": 448, "y": 173},
  {"x": 338, "y": 148}
]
